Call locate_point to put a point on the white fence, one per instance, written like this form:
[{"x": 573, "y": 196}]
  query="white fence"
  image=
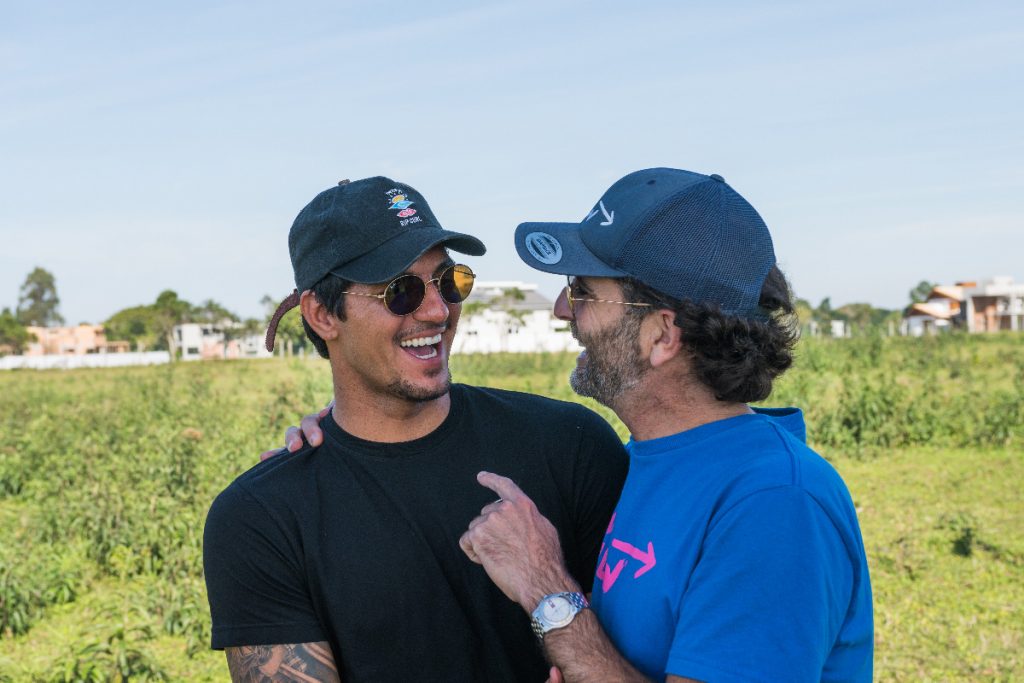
[{"x": 91, "y": 360}]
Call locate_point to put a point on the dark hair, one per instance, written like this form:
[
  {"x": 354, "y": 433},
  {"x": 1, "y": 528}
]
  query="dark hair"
[
  {"x": 330, "y": 292},
  {"x": 736, "y": 357}
]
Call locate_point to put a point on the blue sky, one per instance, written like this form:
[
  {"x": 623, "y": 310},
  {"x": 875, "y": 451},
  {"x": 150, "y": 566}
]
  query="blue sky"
[{"x": 147, "y": 147}]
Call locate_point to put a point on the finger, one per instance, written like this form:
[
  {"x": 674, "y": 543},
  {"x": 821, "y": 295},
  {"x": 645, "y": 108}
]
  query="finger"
[
  {"x": 328, "y": 408},
  {"x": 491, "y": 507},
  {"x": 477, "y": 521},
  {"x": 269, "y": 454},
  {"x": 467, "y": 547},
  {"x": 503, "y": 486},
  {"x": 293, "y": 439},
  {"x": 311, "y": 430},
  {"x": 555, "y": 675}
]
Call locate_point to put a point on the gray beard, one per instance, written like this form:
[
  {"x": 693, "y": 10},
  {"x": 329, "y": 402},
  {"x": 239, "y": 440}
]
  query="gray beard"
[{"x": 613, "y": 365}]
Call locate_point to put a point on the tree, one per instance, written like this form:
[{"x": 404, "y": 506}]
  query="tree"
[
  {"x": 920, "y": 293},
  {"x": 137, "y": 325},
  {"x": 169, "y": 311},
  {"x": 38, "y": 301},
  {"x": 804, "y": 312},
  {"x": 212, "y": 313},
  {"x": 13, "y": 335},
  {"x": 859, "y": 316}
]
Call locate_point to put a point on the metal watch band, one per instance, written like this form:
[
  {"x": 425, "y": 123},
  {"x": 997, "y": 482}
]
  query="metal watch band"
[{"x": 577, "y": 600}]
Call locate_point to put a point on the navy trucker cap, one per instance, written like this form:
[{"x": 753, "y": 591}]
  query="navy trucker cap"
[
  {"x": 365, "y": 231},
  {"x": 686, "y": 235}
]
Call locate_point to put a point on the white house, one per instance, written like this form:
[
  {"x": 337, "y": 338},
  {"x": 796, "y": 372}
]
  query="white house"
[
  {"x": 510, "y": 316},
  {"x": 205, "y": 341}
]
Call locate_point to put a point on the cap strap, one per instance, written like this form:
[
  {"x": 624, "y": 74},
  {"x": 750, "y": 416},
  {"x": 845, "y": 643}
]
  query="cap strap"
[{"x": 290, "y": 302}]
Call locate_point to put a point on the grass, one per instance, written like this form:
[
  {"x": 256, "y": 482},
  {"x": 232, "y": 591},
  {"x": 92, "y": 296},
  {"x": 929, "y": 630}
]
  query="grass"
[{"x": 106, "y": 475}]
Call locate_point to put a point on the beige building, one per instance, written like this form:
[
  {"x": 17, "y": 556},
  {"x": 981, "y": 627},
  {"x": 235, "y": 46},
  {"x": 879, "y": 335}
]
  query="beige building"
[
  {"x": 72, "y": 341},
  {"x": 991, "y": 306}
]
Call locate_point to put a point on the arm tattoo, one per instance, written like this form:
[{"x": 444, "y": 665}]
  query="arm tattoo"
[{"x": 298, "y": 663}]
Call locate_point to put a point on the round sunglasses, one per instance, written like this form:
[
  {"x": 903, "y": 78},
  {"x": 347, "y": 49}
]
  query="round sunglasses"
[{"x": 405, "y": 294}]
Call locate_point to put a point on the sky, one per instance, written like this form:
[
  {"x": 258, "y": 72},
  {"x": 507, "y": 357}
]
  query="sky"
[{"x": 152, "y": 146}]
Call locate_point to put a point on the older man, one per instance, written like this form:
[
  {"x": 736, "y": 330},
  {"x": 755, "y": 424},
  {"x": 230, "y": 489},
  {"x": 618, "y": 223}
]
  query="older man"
[
  {"x": 734, "y": 553},
  {"x": 342, "y": 561}
]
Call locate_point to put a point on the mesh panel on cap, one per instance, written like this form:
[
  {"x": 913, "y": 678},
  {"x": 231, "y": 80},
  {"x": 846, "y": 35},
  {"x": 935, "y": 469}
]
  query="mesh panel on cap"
[
  {"x": 746, "y": 254},
  {"x": 673, "y": 248},
  {"x": 705, "y": 244}
]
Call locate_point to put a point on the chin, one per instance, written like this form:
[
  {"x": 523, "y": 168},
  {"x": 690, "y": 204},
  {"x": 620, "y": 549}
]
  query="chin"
[{"x": 420, "y": 393}]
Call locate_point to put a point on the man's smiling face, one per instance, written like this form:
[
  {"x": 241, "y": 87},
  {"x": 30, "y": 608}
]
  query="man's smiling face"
[
  {"x": 611, "y": 363},
  {"x": 385, "y": 355}
]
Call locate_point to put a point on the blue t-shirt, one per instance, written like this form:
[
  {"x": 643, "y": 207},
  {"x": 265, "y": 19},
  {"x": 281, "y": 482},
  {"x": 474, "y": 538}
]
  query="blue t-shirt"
[{"x": 735, "y": 555}]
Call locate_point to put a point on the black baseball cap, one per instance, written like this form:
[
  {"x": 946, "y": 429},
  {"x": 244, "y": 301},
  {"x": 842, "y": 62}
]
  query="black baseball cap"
[{"x": 366, "y": 231}]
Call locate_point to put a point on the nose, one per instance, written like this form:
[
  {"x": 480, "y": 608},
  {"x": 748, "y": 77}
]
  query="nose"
[
  {"x": 562, "y": 310},
  {"x": 434, "y": 309}
]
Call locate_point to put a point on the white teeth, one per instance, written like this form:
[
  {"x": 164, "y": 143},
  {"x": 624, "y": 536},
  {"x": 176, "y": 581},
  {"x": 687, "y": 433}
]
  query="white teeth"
[{"x": 422, "y": 341}]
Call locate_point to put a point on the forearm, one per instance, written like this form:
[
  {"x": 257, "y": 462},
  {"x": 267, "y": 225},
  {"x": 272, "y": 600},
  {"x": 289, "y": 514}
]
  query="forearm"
[
  {"x": 294, "y": 663},
  {"x": 583, "y": 652}
]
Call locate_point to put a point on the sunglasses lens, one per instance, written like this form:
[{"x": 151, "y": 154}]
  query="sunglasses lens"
[
  {"x": 404, "y": 295},
  {"x": 456, "y": 283}
]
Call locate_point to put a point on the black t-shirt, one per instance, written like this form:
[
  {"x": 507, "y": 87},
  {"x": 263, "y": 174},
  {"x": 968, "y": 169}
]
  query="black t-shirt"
[{"x": 356, "y": 542}]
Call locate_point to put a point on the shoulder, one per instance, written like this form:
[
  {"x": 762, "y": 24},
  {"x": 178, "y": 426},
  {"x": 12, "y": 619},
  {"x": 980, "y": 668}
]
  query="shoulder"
[
  {"x": 781, "y": 468},
  {"x": 265, "y": 490},
  {"x": 537, "y": 410}
]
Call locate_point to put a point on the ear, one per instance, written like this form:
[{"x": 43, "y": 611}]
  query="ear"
[
  {"x": 319, "y": 318},
  {"x": 663, "y": 336}
]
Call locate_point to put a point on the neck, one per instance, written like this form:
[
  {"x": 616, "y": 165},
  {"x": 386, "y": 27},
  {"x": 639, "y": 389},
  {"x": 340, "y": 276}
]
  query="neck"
[
  {"x": 662, "y": 406},
  {"x": 387, "y": 419}
]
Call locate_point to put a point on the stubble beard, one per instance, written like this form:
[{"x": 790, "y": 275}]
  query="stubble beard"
[
  {"x": 613, "y": 363},
  {"x": 407, "y": 391}
]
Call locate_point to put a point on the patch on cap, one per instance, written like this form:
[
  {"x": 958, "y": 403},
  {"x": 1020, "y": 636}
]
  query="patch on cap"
[{"x": 544, "y": 247}]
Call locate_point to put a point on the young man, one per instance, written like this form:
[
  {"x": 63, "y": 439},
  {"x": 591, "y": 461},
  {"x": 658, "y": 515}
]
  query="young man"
[
  {"x": 734, "y": 553},
  {"x": 342, "y": 562}
]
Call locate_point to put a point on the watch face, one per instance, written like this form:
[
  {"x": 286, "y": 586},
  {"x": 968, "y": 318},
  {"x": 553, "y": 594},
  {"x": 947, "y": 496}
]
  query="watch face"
[{"x": 556, "y": 609}]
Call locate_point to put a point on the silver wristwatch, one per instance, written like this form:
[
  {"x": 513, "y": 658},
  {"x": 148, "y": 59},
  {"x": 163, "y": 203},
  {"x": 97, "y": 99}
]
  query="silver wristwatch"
[{"x": 556, "y": 611}]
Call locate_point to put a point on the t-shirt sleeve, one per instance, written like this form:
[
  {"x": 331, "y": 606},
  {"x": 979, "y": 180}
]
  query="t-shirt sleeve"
[
  {"x": 256, "y": 587},
  {"x": 768, "y": 595},
  {"x": 600, "y": 471}
]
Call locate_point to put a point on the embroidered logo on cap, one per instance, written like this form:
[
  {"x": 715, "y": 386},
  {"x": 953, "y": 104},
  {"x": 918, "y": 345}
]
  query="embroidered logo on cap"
[
  {"x": 544, "y": 247},
  {"x": 398, "y": 201}
]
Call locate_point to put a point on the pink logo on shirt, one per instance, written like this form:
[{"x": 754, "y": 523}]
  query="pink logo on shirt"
[{"x": 607, "y": 575}]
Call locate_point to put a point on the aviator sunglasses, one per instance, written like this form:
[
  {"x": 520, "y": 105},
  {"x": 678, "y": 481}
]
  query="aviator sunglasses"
[{"x": 405, "y": 294}]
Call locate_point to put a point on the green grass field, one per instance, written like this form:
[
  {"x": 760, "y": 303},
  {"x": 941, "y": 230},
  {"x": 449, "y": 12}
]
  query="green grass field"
[{"x": 106, "y": 476}]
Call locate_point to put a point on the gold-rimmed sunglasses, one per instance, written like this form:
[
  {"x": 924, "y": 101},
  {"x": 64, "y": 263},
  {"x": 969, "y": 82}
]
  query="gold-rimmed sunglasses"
[
  {"x": 405, "y": 294},
  {"x": 573, "y": 300}
]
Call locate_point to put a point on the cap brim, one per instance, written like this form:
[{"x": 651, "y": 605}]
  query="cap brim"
[
  {"x": 396, "y": 255},
  {"x": 558, "y": 248}
]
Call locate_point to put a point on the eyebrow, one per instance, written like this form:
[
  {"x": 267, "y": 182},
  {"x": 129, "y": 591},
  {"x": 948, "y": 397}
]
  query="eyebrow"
[{"x": 447, "y": 263}]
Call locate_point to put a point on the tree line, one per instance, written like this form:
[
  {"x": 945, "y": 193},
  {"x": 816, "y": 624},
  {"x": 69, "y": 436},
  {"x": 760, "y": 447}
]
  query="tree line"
[
  {"x": 151, "y": 326},
  {"x": 146, "y": 327}
]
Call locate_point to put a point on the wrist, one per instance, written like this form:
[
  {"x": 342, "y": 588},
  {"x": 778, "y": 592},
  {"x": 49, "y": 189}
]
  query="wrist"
[{"x": 530, "y": 595}]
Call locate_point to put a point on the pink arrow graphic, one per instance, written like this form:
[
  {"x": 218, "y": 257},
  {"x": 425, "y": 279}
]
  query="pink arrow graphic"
[
  {"x": 608, "y": 577},
  {"x": 646, "y": 557}
]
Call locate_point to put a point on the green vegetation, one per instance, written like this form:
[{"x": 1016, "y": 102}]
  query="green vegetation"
[{"x": 106, "y": 476}]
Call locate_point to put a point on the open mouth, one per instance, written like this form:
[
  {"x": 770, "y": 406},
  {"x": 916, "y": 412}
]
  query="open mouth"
[{"x": 423, "y": 348}]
